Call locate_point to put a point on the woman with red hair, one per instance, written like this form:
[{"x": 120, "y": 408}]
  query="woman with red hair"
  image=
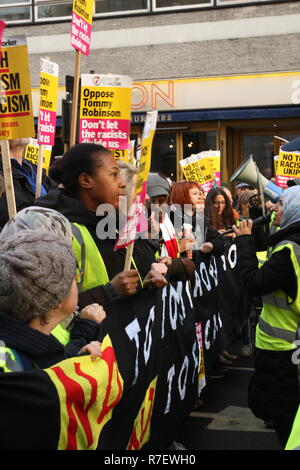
[{"x": 188, "y": 198}]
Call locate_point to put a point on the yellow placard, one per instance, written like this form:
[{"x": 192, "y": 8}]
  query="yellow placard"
[
  {"x": 289, "y": 164},
  {"x": 275, "y": 158},
  {"x": 84, "y": 9},
  {"x": 32, "y": 151},
  {"x": 196, "y": 169},
  {"x": 16, "y": 117},
  {"x": 105, "y": 102},
  {"x": 147, "y": 139},
  {"x": 49, "y": 92}
]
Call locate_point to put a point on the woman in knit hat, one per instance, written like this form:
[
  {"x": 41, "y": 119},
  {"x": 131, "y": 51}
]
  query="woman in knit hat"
[{"x": 38, "y": 290}]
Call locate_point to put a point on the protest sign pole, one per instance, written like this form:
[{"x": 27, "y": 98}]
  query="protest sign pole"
[
  {"x": 75, "y": 99},
  {"x": 8, "y": 180},
  {"x": 39, "y": 172},
  {"x": 129, "y": 252}
]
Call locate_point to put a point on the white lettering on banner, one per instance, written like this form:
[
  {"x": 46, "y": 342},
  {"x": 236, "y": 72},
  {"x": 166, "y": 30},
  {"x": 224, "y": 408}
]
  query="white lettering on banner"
[
  {"x": 171, "y": 374},
  {"x": 182, "y": 386},
  {"x": 187, "y": 289},
  {"x": 211, "y": 335},
  {"x": 213, "y": 270},
  {"x": 175, "y": 298},
  {"x": 224, "y": 262},
  {"x": 232, "y": 251},
  {"x": 197, "y": 358},
  {"x": 205, "y": 281},
  {"x": 206, "y": 332},
  {"x": 132, "y": 331},
  {"x": 164, "y": 295},
  {"x": 197, "y": 286},
  {"x": 148, "y": 340}
]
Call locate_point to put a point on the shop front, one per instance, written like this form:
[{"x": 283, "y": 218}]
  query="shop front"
[{"x": 239, "y": 115}]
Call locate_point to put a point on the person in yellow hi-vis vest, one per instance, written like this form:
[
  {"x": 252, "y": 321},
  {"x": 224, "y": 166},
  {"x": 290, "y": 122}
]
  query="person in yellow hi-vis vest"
[
  {"x": 274, "y": 390},
  {"x": 38, "y": 291},
  {"x": 92, "y": 188}
]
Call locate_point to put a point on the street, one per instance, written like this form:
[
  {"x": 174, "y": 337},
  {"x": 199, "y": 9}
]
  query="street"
[{"x": 225, "y": 422}]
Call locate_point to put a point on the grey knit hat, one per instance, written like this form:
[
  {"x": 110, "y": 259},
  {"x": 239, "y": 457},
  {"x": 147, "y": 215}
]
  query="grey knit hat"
[
  {"x": 37, "y": 218},
  {"x": 157, "y": 186},
  {"x": 36, "y": 272}
]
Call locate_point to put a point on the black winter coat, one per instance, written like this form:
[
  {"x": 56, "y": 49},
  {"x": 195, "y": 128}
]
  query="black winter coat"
[
  {"x": 274, "y": 390},
  {"x": 75, "y": 211},
  {"x": 24, "y": 195},
  {"x": 40, "y": 349}
]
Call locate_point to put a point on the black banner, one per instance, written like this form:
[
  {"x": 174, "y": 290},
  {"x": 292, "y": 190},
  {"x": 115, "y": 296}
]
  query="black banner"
[{"x": 153, "y": 335}]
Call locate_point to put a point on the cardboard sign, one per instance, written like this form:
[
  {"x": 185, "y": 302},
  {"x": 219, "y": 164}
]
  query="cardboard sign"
[
  {"x": 16, "y": 117},
  {"x": 289, "y": 164},
  {"x": 32, "y": 151},
  {"x": 135, "y": 221},
  {"x": 48, "y": 102},
  {"x": 214, "y": 158},
  {"x": 105, "y": 107},
  {"x": 196, "y": 168},
  {"x": 81, "y": 27}
]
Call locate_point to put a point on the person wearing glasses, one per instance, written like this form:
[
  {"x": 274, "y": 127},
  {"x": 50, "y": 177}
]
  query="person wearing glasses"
[
  {"x": 274, "y": 390},
  {"x": 219, "y": 210}
]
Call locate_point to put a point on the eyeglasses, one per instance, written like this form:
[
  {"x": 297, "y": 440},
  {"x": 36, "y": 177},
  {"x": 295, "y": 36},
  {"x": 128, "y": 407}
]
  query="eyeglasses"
[{"x": 220, "y": 203}]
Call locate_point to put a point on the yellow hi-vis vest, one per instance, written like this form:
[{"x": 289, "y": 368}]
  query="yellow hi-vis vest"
[
  {"x": 91, "y": 266},
  {"x": 9, "y": 361},
  {"x": 293, "y": 442},
  {"x": 277, "y": 325}
]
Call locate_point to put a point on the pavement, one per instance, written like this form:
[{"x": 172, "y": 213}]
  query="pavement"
[{"x": 225, "y": 422}]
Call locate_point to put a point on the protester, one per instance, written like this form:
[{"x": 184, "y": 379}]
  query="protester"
[
  {"x": 274, "y": 391},
  {"x": 38, "y": 291},
  {"x": 24, "y": 179},
  {"x": 244, "y": 204},
  {"x": 37, "y": 218},
  {"x": 240, "y": 188},
  {"x": 162, "y": 233},
  {"x": 90, "y": 177},
  {"x": 219, "y": 210}
]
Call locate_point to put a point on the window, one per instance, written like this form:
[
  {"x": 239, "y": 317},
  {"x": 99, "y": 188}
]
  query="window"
[
  {"x": 17, "y": 12},
  {"x": 179, "y": 5},
  {"x": 164, "y": 154},
  {"x": 195, "y": 142},
  {"x": 53, "y": 10},
  {"x": 117, "y": 6},
  {"x": 261, "y": 147}
]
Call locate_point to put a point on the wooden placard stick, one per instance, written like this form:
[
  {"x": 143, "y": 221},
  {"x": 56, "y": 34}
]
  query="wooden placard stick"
[
  {"x": 129, "y": 251},
  {"x": 39, "y": 172},
  {"x": 75, "y": 99},
  {"x": 8, "y": 180}
]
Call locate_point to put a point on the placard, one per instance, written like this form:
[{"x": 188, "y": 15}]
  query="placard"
[
  {"x": 105, "y": 108},
  {"x": 48, "y": 102},
  {"x": 81, "y": 27},
  {"x": 16, "y": 117}
]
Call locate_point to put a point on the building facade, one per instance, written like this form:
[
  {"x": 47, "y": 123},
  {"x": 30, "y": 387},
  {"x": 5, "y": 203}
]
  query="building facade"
[{"x": 223, "y": 74}]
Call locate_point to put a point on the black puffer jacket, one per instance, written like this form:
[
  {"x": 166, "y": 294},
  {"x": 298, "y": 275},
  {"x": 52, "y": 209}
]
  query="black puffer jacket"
[{"x": 274, "y": 390}]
